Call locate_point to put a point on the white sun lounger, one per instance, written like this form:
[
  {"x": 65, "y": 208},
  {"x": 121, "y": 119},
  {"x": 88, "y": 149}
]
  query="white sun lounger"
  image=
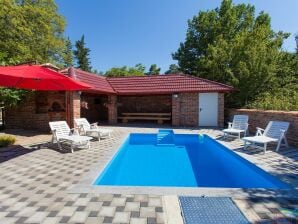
[
  {"x": 274, "y": 132},
  {"x": 92, "y": 129},
  {"x": 63, "y": 134},
  {"x": 238, "y": 126}
]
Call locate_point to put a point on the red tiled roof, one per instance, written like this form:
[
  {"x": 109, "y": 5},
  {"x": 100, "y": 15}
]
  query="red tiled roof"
[
  {"x": 155, "y": 84},
  {"x": 165, "y": 84},
  {"x": 99, "y": 83}
]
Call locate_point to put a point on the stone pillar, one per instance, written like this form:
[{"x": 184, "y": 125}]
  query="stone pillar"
[
  {"x": 175, "y": 110},
  {"x": 112, "y": 109},
  {"x": 73, "y": 107},
  {"x": 221, "y": 109}
]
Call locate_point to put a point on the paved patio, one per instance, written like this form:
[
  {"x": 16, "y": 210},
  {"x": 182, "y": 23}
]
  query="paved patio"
[{"x": 36, "y": 179}]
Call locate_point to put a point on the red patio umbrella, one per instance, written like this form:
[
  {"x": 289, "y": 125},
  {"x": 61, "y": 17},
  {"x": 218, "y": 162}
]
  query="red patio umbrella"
[{"x": 36, "y": 77}]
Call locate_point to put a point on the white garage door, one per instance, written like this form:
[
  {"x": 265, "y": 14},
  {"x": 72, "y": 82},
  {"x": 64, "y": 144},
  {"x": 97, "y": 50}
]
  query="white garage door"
[{"x": 208, "y": 109}]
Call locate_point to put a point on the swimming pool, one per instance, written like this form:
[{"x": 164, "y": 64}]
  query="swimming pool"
[{"x": 182, "y": 160}]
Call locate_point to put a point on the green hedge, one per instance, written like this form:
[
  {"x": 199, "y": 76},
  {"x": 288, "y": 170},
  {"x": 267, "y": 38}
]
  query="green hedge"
[
  {"x": 279, "y": 100},
  {"x": 6, "y": 140}
]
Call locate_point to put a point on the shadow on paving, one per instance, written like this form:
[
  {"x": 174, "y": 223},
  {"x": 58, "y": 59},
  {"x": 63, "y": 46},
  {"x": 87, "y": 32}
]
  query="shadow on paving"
[
  {"x": 279, "y": 209},
  {"x": 14, "y": 151},
  {"x": 291, "y": 152},
  {"x": 24, "y": 133}
]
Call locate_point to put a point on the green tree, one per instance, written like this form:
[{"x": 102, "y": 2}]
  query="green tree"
[
  {"x": 30, "y": 30},
  {"x": 138, "y": 70},
  {"x": 68, "y": 54},
  {"x": 153, "y": 70},
  {"x": 231, "y": 45},
  {"x": 11, "y": 97},
  {"x": 296, "y": 39},
  {"x": 82, "y": 55},
  {"x": 173, "y": 69}
]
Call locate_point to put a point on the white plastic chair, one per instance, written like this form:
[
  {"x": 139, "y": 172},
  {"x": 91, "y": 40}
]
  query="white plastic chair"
[
  {"x": 238, "y": 126},
  {"x": 274, "y": 132},
  {"x": 92, "y": 129},
  {"x": 63, "y": 134}
]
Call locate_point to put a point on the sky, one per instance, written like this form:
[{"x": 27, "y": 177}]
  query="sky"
[{"x": 128, "y": 32}]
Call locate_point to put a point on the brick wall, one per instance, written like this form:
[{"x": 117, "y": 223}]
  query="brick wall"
[
  {"x": 144, "y": 104},
  {"x": 35, "y": 111},
  {"x": 112, "y": 109},
  {"x": 189, "y": 109},
  {"x": 96, "y": 111},
  {"x": 75, "y": 107},
  {"x": 260, "y": 118},
  {"x": 38, "y": 107},
  {"x": 185, "y": 109},
  {"x": 221, "y": 109},
  {"x": 175, "y": 110}
]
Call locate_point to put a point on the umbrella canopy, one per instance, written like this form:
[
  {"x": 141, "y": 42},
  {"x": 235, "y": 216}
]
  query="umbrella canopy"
[{"x": 36, "y": 77}]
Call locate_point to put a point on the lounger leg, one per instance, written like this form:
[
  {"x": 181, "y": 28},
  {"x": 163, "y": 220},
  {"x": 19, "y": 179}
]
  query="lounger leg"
[
  {"x": 88, "y": 145},
  {"x": 265, "y": 147},
  {"x": 71, "y": 147},
  {"x": 286, "y": 142},
  {"x": 59, "y": 145},
  {"x": 239, "y": 135},
  {"x": 245, "y": 145}
]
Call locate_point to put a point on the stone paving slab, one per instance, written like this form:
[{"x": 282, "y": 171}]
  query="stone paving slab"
[{"x": 35, "y": 180}]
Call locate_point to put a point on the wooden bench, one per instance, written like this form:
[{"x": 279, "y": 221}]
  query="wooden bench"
[{"x": 159, "y": 117}]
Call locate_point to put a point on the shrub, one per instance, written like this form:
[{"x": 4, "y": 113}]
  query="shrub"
[
  {"x": 280, "y": 100},
  {"x": 6, "y": 140}
]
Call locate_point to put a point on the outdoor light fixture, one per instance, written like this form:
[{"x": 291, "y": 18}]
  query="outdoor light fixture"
[{"x": 175, "y": 95}]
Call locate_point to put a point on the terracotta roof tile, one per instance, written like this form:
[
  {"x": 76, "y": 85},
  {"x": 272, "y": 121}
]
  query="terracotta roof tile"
[
  {"x": 156, "y": 84},
  {"x": 99, "y": 83},
  {"x": 164, "y": 84}
]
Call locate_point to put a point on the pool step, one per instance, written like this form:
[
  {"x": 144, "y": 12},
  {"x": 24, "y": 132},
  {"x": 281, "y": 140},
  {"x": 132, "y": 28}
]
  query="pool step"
[{"x": 165, "y": 137}]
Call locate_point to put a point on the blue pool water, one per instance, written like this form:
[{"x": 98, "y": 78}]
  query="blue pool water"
[{"x": 182, "y": 160}]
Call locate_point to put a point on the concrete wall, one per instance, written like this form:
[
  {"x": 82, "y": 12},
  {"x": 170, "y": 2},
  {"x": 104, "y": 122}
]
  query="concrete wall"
[{"x": 260, "y": 118}]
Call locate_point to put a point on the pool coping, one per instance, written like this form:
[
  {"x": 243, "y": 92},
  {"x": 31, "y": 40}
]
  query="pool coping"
[{"x": 86, "y": 183}]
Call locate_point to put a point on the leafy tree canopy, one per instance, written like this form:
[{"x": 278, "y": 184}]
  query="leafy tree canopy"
[
  {"x": 153, "y": 70},
  {"x": 296, "y": 38},
  {"x": 68, "y": 54},
  {"x": 30, "y": 31},
  {"x": 138, "y": 70},
  {"x": 82, "y": 55},
  {"x": 173, "y": 69},
  {"x": 11, "y": 97},
  {"x": 232, "y": 45}
]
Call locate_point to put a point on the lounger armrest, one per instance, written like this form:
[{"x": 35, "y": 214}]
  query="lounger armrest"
[
  {"x": 94, "y": 125},
  {"x": 230, "y": 124},
  {"x": 282, "y": 132},
  {"x": 260, "y": 131},
  {"x": 74, "y": 131}
]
